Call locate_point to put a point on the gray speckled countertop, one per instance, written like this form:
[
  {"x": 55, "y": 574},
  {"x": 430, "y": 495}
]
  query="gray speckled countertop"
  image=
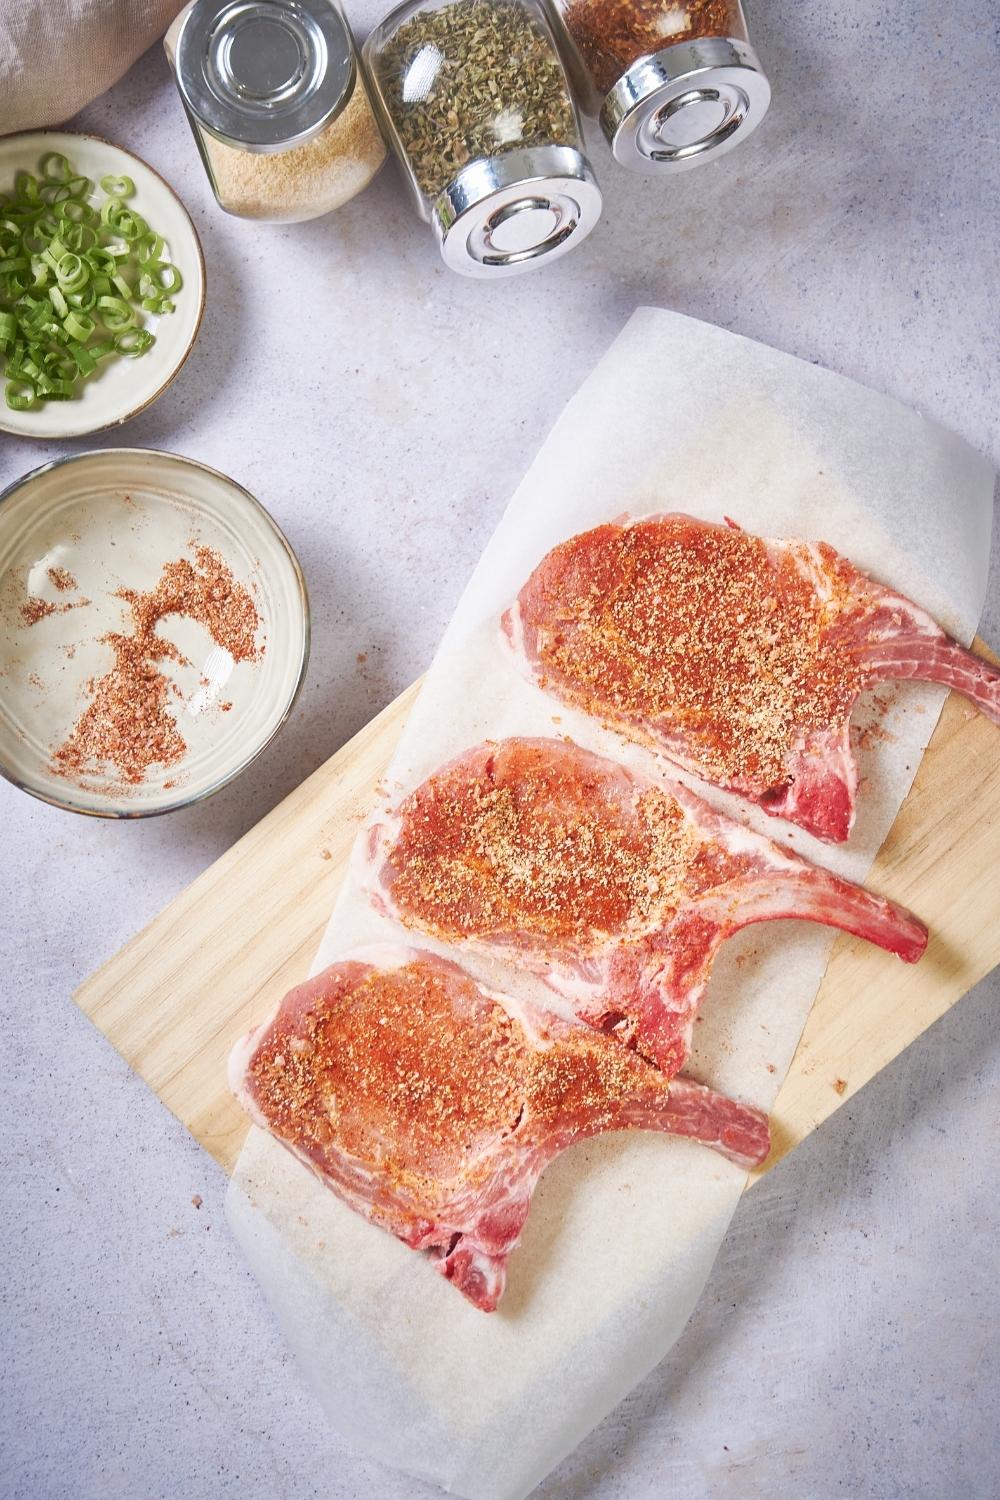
[{"x": 383, "y": 409}]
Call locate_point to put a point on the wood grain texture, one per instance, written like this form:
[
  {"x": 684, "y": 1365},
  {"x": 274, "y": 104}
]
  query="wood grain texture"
[{"x": 175, "y": 998}]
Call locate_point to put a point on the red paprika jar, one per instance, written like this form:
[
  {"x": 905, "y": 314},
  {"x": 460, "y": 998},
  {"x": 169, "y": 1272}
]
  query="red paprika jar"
[{"x": 675, "y": 82}]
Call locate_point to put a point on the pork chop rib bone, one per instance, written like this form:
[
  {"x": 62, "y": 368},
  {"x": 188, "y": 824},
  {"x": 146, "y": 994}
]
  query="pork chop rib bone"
[
  {"x": 739, "y": 658},
  {"x": 432, "y": 1105},
  {"x": 616, "y": 890}
]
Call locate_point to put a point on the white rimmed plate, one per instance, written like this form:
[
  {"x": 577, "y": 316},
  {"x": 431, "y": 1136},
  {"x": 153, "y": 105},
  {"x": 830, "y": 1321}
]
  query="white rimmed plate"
[
  {"x": 120, "y": 388},
  {"x": 111, "y": 520}
]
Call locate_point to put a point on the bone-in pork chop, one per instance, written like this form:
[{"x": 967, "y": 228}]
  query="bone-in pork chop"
[
  {"x": 616, "y": 889},
  {"x": 741, "y": 659},
  {"x": 432, "y": 1105}
]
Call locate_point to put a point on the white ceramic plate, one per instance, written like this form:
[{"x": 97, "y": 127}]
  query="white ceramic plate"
[
  {"x": 111, "y": 520},
  {"x": 122, "y": 387}
]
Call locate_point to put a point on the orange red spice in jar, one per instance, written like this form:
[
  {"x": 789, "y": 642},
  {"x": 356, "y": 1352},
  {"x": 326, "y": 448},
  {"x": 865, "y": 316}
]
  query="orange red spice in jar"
[
  {"x": 613, "y": 34},
  {"x": 675, "y": 82}
]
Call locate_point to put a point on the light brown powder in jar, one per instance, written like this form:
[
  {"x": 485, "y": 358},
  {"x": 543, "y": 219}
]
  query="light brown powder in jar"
[
  {"x": 62, "y": 579},
  {"x": 128, "y": 724},
  {"x": 308, "y": 180}
]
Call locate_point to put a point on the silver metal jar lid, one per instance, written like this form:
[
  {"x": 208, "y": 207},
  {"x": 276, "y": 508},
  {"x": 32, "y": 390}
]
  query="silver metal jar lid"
[
  {"x": 505, "y": 214},
  {"x": 685, "y": 104},
  {"x": 264, "y": 75}
]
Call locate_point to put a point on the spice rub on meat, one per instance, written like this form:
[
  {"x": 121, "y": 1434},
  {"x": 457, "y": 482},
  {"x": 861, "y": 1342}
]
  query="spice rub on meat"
[
  {"x": 432, "y": 1105},
  {"x": 740, "y": 658},
  {"x": 697, "y": 626},
  {"x": 518, "y": 839},
  {"x": 617, "y": 890}
]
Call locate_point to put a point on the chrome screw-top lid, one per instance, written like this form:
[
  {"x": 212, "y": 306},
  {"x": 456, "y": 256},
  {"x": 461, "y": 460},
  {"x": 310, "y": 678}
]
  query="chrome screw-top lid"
[
  {"x": 264, "y": 75},
  {"x": 685, "y": 104},
  {"x": 506, "y": 214}
]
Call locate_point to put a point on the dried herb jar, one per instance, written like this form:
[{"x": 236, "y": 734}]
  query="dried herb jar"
[
  {"x": 277, "y": 99},
  {"x": 477, "y": 106},
  {"x": 675, "y": 82}
]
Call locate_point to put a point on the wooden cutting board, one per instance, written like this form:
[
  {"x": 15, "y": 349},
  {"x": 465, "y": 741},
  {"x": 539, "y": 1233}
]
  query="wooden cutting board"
[{"x": 179, "y": 994}]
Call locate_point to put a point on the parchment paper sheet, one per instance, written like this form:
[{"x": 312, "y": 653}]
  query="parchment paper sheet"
[{"x": 623, "y": 1231}]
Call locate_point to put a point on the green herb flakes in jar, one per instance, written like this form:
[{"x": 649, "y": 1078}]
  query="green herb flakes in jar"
[
  {"x": 277, "y": 100},
  {"x": 478, "y": 108}
]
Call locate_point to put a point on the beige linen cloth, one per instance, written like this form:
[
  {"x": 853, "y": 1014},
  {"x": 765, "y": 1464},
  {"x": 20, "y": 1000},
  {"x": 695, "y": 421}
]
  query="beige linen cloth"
[{"x": 57, "y": 55}]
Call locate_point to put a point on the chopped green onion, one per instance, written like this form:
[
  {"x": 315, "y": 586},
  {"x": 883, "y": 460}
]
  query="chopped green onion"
[
  {"x": 79, "y": 326},
  {"x": 158, "y": 277},
  {"x": 71, "y": 273},
  {"x": 118, "y": 187},
  {"x": 85, "y": 300},
  {"x": 78, "y": 236},
  {"x": 117, "y": 250},
  {"x": 76, "y": 211},
  {"x": 101, "y": 260},
  {"x": 84, "y": 359},
  {"x": 26, "y": 188},
  {"x": 77, "y": 276},
  {"x": 121, "y": 220},
  {"x": 115, "y": 313},
  {"x": 54, "y": 251},
  {"x": 20, "y": 395},
  {"x": 58, "y": 301},
  {"x": 54, "y": 167},
  {"x": 134, "y": 341},
  {"x": 149, "y": 247}
]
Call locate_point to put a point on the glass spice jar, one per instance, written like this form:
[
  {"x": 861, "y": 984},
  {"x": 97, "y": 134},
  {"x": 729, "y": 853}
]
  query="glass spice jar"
[
  {"x": 276, "y": 97},
  {"x": 477, "y": 106},
  {"x": 675, "y": 82}
]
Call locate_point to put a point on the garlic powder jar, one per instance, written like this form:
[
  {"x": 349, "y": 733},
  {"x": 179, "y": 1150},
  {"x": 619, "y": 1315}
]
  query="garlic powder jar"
[{"x": 276, "y": 97}]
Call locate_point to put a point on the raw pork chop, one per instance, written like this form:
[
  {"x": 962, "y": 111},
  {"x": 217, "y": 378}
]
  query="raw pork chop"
[
  {"x": 432, "y": 1105},
  {"x": 740, "y": 659},
  {"x": 617, "y": 890}
]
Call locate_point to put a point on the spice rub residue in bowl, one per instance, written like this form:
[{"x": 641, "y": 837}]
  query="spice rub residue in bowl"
[
  {"x": 34, "y": 609},
  {"x": 129, "y": 724}
]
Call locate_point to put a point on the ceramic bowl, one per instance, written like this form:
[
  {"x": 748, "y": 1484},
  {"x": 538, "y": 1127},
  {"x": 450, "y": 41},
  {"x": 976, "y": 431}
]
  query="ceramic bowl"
[
  {"x": 121, "y": 388},
  {"x": 73, "y": 535}
]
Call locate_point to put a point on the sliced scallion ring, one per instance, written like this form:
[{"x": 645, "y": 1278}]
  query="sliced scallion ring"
[
  {"x": 115, "y": 313},
  {"x": 20, "y": 395},
  {"x": 118, "y": 187},
  {"x": 134, "y": 341},
  {"x": 79, "y": 325},
  {"x": 55, "y": 167}
]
